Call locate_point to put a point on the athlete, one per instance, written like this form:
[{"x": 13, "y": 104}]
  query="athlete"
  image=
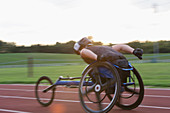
[{"x": 90, "y": 53}]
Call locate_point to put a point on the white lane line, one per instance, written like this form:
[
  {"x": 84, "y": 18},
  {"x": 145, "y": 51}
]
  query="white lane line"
[
  {"x": 26, "y": 90},
  {"x": 6, "y": 89},
  {"x": 17, "y": 84},
  {"x": 31, "y": 85},
  {"x": 157, "y": 89},
  {"x": 13, "y": 111},
  {"x": 76, "y": 101},
  {"x": 158, "y": 107},
  {"x": 18, "y": 97},
  {"x": 64, "y": 86},
  {"x": 157, "y": 96}
]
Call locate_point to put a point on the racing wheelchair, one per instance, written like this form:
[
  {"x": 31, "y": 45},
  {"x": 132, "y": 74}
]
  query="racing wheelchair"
[{"x": 101, "y": 86}]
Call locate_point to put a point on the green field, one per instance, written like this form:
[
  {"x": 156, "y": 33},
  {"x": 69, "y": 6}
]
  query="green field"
[
  {"x": 39, "y": 58},
  {"x": 46, "y": 58},
  {"x": 153, "y": 74}
]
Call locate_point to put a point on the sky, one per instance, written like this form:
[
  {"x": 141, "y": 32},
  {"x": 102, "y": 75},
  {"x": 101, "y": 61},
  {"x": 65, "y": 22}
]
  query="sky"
[{"x": 28, "y": 22}]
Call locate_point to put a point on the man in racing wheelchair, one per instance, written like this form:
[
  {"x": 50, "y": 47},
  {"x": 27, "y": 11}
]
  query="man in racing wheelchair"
[{"x": 90, "y": 53}]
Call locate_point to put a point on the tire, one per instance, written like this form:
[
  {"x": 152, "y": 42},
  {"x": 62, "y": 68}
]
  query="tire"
[
  {"x": 133, "y": 94},
  {"x": 44, "y": 98},
  {"x": 93, "y": 88}
]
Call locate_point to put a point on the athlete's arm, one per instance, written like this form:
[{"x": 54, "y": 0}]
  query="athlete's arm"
[
  {"x": 86, "y": 53},
  {"x": 124, "y": 48}
]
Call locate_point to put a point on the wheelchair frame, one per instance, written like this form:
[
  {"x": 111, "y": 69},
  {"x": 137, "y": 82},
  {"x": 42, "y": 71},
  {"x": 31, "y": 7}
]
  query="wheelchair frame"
[{"x": 68, "y": 81}]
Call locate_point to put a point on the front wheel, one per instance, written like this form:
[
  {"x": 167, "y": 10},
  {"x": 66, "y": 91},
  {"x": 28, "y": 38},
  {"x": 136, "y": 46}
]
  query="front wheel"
[
  {"x": 99, "y": 80},
  {"x": 44, "y": 98}
]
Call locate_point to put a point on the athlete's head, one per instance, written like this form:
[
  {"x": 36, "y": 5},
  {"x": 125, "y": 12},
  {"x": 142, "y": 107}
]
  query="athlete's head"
[{"x": 84, "y": 42}]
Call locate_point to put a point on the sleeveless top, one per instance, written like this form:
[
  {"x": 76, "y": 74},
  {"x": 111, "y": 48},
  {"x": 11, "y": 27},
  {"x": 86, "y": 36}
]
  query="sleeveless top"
[{"x": 113, "y": 56}]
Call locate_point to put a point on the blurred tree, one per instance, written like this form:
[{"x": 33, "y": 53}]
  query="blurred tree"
[
  {"x": 147, "y": 46},
  {"x": 97, "y": 43}
]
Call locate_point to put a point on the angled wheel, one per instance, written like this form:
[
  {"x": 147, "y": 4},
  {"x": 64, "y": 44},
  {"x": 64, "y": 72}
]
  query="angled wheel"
[
  {"x": 44, "y": 98},
  {"x": 98, "y": 80},
  {"x": 133, "y": 93}
]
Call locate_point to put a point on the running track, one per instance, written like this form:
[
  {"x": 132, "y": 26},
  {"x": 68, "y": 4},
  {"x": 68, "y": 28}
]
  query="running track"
[{"x": 19, "y": 98}]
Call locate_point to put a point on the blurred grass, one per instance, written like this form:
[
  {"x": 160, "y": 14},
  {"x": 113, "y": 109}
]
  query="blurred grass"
[
  {"x": 153, "y": 74},
  {"x": 46, "y": 58},
  {"x": 39, "y": 58},
  {"x": 19, "y": 75}
]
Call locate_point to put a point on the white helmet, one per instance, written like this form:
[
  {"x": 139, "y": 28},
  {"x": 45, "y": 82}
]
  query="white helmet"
[{"x": 84, "y": 42}]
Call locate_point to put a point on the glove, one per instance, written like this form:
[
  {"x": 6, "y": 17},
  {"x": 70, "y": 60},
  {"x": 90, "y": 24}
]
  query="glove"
[{"x": 138, "y": 52}]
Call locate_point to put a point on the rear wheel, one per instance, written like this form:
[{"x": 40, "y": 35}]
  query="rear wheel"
[
  {"x": 133, "y": 94},
  {"x": 44, "y": 98},
  {"x": 94, "y": 88}
]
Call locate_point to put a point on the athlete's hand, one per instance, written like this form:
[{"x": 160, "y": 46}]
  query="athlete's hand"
[{"x": 138, "y": 52}]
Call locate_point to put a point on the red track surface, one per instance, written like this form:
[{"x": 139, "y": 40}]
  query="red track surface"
[{"x": 21, "y": 99}]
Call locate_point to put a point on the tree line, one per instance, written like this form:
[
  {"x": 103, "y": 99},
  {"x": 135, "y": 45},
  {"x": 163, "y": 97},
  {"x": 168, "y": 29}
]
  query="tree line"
[{"x": 148, "y": 47}]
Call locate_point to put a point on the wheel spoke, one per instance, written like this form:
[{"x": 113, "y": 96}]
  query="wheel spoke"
[
  {"x": 107, "y": 84},
  {"x": 109, "y": 96},
  {"x": 97, "y": 76},
  {"x": 100, "y": 107},
  {"x": 131, "y": 90},
  {"x": 88, "y": 90}
]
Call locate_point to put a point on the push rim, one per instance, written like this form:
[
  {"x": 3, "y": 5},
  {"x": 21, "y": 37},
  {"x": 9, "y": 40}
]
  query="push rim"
[{"x": 92, "y": 98}]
